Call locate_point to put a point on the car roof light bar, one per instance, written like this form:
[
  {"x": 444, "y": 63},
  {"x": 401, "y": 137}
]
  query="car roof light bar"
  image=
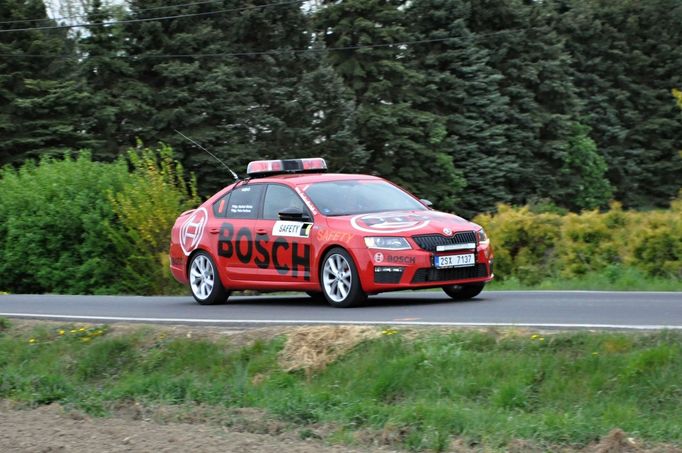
[{"x": 262, "y": 168}]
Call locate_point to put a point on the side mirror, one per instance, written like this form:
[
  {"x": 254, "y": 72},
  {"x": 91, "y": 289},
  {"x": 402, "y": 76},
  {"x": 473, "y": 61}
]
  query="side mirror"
[
  {"x": 426, "y": 202},
  {"x": 293, "y": 214}
]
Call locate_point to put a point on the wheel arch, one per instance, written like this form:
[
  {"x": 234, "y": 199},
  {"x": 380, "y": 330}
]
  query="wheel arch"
[
  {"x": 325, "y": 250},
  {"x": 191, "y": 256}
]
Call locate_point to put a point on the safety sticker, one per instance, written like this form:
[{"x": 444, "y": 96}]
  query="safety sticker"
[{"x": 292, "y": 229}]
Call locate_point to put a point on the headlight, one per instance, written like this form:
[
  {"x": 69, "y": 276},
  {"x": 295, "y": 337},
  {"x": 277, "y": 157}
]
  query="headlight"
[
  {"x": 387, "y": 243},
  {"x": 482, "y": 237}
]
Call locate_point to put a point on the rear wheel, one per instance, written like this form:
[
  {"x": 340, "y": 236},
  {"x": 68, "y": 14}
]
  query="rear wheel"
[
  {"x": 204, "y": 281},
  {"x": 464, "y": 292},
  {"x": 340, "y": 280}
]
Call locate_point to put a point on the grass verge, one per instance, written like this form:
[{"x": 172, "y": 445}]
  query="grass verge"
[
  {"x": 615, "y": 278},
  {"x": 417, "y": 389}
]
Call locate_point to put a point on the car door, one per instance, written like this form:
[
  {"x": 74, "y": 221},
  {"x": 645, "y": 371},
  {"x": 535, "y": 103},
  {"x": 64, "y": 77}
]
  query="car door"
[
  {"x": 233, "y": 231},
  {"x": 283, "y": 247}
]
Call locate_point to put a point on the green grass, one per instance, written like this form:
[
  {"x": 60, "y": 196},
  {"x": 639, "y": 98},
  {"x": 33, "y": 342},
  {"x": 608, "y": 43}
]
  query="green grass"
[
  {"x": 559, "y": 389},
  {"x": 614, "y": 278}
]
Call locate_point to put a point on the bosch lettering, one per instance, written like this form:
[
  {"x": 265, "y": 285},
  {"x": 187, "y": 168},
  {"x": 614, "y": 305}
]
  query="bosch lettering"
[
  {"x": 401, "y": 259},
  {"x": 285, "y": 257}
]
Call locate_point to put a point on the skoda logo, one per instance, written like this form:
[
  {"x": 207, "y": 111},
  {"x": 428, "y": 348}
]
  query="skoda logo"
[{"x": 447, "y": 231}]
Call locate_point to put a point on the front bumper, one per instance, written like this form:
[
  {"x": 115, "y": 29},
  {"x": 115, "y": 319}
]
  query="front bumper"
[{"x": 385, "y": 270}]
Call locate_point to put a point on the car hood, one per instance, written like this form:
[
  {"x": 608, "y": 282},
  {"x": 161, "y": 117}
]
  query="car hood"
[{"x": 403, "y": 223}]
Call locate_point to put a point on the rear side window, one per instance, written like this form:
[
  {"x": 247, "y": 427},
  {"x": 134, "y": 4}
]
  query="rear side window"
[{"x": 240, "y": 203}]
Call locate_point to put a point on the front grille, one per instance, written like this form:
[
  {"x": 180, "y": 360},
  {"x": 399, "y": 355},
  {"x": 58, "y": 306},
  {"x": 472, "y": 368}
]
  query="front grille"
[
  {"x": 431, "y": 241},
  {"x": 429, "y": 274}
]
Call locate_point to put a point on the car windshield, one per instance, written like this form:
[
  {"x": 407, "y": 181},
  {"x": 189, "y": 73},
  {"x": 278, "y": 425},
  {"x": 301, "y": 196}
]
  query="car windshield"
[{"x": 335, "y": 198}]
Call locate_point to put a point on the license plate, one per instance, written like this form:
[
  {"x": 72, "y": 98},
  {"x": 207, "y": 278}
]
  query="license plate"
[{"x": 464, "y": 260}]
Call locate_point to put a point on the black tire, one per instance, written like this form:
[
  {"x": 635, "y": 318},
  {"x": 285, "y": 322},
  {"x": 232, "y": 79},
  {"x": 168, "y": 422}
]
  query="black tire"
[
  {"x": 204, "y": 281},
  {"x": 341, "y": 288},
  {"x": 317, "y": 296},
  {"x": 464, "y": 292}
]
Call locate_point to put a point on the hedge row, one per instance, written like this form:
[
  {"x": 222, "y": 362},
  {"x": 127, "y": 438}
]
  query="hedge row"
[
  {"x": 532, "y": 246},
  {"x": 82, "y": 227},
  {"x": 77, "y": 226}
]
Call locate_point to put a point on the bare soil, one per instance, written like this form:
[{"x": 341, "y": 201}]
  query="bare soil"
[{"x": 52, "y": 429}]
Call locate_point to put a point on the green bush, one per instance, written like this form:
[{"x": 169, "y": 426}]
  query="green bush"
[
  {"x": 532, "y": 246},
  {"x": 145, "y": 209},
  {"x": 53, "y": 236},
  {"x": 82, "y": 227},
  {"x": 524, "y": 242}
]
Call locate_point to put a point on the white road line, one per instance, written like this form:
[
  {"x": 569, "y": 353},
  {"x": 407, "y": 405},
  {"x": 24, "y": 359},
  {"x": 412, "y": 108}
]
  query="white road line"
[
  {"x": 578, "y": 291},
  {"x": 317, "y": 321}
]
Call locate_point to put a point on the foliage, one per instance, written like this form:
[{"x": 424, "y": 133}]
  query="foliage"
[
  {"x": 635, "y": 126},
  {"x": 40, "y": 99},
  {"x": 146, "y": 208},
  {"x": 391, "y": 127},
  {"x": 416, "y": 391},
  {"x": 523, "y": 242},
  {"x": 52, "y": 226},
  {"x": 77, "y": 226},
  {"x": 584, "y": 169},
  {"x": 532, "y": 246},
  {"x": 490, "y": 101}
]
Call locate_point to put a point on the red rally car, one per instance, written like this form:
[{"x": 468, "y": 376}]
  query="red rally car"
[{"x": 292, "y": 226}]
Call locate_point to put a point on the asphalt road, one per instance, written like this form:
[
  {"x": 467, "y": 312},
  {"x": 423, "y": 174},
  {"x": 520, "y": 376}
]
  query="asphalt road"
[{"x": 548, "y": 309}]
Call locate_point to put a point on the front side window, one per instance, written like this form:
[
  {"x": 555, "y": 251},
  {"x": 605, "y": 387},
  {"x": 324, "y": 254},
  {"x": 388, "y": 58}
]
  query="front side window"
[
  {"x": 279, "y": 198},
  {"x": 335, "y": 198}
]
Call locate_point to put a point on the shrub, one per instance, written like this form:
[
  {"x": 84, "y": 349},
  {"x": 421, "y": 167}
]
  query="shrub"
[
  {"x": 590, "y": 241},
  {"x": 524, "y": 242},
  {"x": 52, "y": 232},
  {"x": 530, "y": 246},
  {"x": 145, "y": 209},
  {"x": 81, "y": 227}
]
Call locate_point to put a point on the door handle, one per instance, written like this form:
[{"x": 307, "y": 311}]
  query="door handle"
[
  {"x": 214, "y": 230},
  {"x": 261, "y": 231}
]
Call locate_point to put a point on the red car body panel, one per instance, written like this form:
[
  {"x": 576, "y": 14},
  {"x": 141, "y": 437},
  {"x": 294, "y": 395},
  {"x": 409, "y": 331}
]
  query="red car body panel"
[{"x": 251, "y": 254}]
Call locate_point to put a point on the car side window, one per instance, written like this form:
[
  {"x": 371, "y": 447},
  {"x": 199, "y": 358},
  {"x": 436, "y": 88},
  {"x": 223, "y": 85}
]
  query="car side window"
[
  {"x": 240, "y": 203},
  {"x": 220, "y": 206},
  {"x": 278, "y": 198}
]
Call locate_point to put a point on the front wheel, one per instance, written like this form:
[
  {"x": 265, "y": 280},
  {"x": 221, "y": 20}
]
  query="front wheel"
[
  {"x": 464, "y": 292},
  {"x": 204, "y": 281},
  {"x": 340, "y": 280}
]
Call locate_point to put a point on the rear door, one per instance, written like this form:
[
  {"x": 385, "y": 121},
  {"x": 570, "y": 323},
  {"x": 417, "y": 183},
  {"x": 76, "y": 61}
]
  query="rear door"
[
  {"x": 283, "y": 248},
  {"x": 233, "y": 231}
]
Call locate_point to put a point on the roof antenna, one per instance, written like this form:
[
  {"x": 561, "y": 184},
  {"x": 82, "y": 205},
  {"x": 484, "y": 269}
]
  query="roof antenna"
[{"x": 234, "y": 175}]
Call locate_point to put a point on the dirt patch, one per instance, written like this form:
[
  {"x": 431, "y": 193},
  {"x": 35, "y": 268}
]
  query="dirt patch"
[
  {"x": 51, "y": 429},
  {"x": 313, "y": 348}
]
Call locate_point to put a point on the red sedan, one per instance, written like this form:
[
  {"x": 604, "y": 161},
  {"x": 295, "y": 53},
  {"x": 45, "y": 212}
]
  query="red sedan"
[{"x": 291, "y": 226}]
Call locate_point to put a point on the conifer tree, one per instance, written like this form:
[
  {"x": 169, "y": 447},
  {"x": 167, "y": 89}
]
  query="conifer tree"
[
  {"x": 463, "y": 89},
  {"x": 626, "y": 57},
  {"x": 109, "y": 81},
  {"x": 405, "y": 143},
  {"x": 538, "y": 80},
  {"x": 40, "y": 103},
  {"x": 272, "y": 100}
]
